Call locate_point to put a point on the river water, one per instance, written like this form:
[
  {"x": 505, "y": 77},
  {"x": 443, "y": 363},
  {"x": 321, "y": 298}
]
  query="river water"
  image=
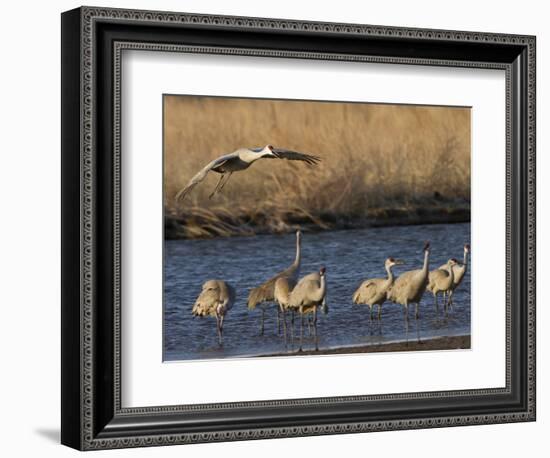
[{"x": 350, "y": 256}]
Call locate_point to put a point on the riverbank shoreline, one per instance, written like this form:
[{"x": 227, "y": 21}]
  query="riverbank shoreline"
[
  {"x": 198, "y": 223},
  {"x": 462, "y": 342}
]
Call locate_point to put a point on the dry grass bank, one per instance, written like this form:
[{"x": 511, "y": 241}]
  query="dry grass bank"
[{"x": 378, "y": 162}]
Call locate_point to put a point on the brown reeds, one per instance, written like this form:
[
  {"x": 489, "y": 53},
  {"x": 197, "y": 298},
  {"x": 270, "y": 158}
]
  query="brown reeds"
[{"x": 378, "y": 162}]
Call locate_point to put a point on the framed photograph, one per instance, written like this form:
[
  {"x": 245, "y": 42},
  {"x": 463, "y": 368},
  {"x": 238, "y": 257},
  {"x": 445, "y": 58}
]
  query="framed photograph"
[{"x": 276, "y": 228}]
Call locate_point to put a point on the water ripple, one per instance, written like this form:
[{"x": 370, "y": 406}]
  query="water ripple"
[{"x": 349, "y": 256}]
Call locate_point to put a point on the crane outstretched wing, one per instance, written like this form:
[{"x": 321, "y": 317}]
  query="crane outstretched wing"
[
  {"x": 266, "y": 291},
  {"x": 202, "y": 175},
  {"x": 281, "y": 153},
  {"x": 262, "y": 293}
]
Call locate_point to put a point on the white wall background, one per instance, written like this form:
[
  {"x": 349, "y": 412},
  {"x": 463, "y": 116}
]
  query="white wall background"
[{"x": 30, "y": 240}]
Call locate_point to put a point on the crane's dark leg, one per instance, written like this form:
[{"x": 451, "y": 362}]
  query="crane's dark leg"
[
  {"x": 407, "y": 329},
  {"x": 225, "y": 181},
  {"x": 218, "y": 327},
  {"x": 370, "y": 309},
  {"x": 417, "y": 333},
  {"x": 262, "y": 322},
  {"x": 292, "y": 325},
  {"x": 379, "y": 312},
  {"x": 450, "y": 299},
  {"x": 278, "y": 321},
  {"x": 301, "y": 329},
  {"x": 284, "y": 323},
  {"x": 315, "y": 329},
  {"x": 217, "y": 186},
  {"x": 435, "y": 302},
  {"x": 416, "y": 314}
]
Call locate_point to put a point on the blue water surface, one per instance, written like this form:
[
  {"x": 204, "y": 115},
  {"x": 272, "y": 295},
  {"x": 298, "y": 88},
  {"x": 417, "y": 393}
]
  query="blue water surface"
[{"x": 350, "y": 256}]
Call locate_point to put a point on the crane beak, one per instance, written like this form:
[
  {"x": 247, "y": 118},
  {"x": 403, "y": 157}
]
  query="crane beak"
[{"x": 399, "y": 262}]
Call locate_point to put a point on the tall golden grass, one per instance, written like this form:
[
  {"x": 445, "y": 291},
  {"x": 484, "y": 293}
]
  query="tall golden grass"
[{"x": 374, "y": 157}]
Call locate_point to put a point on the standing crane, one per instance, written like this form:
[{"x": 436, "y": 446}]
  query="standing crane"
[
  {"x": 240, "y": 160},
  {"x": 216, "y": 299},
  {"x": 282, "y": 290},
  {"x": 459, "y": 273},
  {"x": 441, "y": 281},
  {"x": 310, "y": 293},
  {"x": 265, "y": 293},
  {"x": 410, "y": 286},
  {"x": 374, "y": 291}
]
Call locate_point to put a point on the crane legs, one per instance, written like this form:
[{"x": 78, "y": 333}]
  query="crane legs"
[
  {"x": 262, "y": 322},
  {"x": 219, "y": 327},
  {"x": 315, "y": 329},
  {"x": 447, "y": 303},
  {"x": 217, "y": 186},
  {"x": 225, "y": 181},
  {"x": 281, "y": 311},
  {"x": 292, "y": 325},
  {"x": 301, "y": 329},
  {"x": 309, "y": 325},
  {"x": 378, "y": 314},
  {"x": 224, "y": 178},
  {"x": 451, "y": 303},
  {"x": 280, "y": 323},
  {"x": 312, "y": 326},
  {"x": 285, "y": 327},
  {"x": 314, "y": 322},
  {"x": 447, "y": 300},
  {"x": 416, "y": 310}
]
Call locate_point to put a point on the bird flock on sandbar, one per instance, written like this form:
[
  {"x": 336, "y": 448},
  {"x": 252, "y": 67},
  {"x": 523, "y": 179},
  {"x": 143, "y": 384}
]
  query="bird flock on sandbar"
[{"x": 304, "y": 296}]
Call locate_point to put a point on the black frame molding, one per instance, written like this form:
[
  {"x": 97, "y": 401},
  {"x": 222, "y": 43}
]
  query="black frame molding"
[{"x": 93, "y": 40}]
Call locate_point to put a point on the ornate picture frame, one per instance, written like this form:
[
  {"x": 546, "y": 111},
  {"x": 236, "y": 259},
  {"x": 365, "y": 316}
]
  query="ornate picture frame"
[{"x": 93, "y": 416}]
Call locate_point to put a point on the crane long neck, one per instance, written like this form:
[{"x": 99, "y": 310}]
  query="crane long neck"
[
  {"x": 426, "y": 260},
  {"x": 390, "y": 273},
  {"x": 319, "y": 294},
  {"x": 465, "y": 260},
  {"x": 298, "y": 257},
  {"x": 249, "y": 156},
  {"x": 451, "y": 272}
]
